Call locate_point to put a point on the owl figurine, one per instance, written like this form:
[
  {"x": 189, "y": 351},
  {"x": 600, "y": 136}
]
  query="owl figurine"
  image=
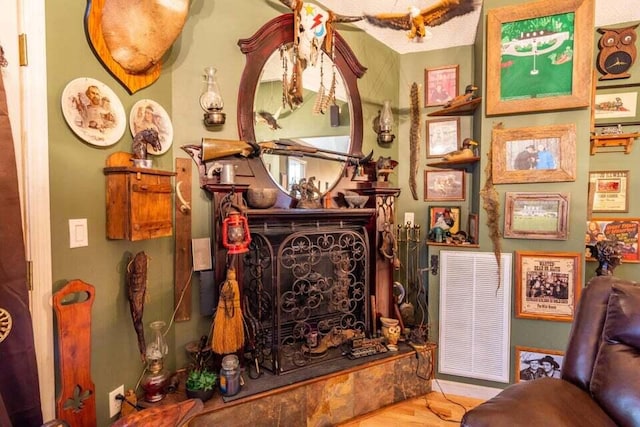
[{"x": 617, "y": 52}]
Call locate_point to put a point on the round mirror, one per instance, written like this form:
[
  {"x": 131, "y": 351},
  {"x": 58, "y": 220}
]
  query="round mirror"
[{"x": 307, "y": 137}]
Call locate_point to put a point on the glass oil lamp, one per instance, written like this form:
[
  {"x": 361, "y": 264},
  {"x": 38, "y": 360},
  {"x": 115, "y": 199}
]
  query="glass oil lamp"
[
  {"x": 385, "y": 125},
  {"x": 211, "y": 99},
  {"x": 156, "y": 377}
]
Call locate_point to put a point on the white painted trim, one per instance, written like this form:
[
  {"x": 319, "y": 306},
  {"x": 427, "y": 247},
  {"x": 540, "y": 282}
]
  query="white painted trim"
[
  {"x": 462, "y": 389},
  {"x": 38, "y": 220}
]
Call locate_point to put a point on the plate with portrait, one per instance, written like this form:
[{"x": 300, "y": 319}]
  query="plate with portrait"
[
  {"x": 148, "y": 114},
  {"x": 93, "y": 111}
]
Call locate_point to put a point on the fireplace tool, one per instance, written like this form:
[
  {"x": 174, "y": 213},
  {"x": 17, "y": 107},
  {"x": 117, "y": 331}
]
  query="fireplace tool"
[{"x": 408, "y": 237}]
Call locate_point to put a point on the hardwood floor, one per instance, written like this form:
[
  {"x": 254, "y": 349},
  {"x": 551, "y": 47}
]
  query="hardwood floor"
[{"x": 416, "y": 412}]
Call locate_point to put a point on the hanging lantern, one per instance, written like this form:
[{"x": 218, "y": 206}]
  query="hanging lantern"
[{"x": 235, "y": 233}]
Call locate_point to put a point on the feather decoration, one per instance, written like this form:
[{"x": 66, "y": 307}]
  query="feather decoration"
[
  {"x": 491, "y": 205},
  {"x": 414, "y": 139},
  {"x": 416, "y": 19}
]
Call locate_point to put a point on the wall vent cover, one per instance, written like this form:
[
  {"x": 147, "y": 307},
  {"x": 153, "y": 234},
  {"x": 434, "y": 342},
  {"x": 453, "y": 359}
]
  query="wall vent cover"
[{"x": 475, "y": 316}]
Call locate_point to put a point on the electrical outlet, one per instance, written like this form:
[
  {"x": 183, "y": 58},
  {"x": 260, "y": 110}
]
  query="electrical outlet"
[
  {"x": 114, "y": 404},
  {"x": 409, "y": 218}
]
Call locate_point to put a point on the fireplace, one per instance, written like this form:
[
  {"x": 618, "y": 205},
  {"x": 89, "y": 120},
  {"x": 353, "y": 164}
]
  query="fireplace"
[{"x": 306, "y": 285}]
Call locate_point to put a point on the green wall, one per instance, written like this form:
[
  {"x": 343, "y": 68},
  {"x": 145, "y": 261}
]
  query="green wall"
[{"x": 210, "y": 38}]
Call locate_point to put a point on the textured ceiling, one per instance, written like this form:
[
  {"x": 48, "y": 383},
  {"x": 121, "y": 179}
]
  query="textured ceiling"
[{"x": 460, "y": 31}]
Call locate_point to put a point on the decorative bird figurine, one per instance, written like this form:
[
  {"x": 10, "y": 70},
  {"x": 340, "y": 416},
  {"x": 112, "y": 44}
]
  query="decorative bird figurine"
[
  {"x": 271, "y": 120},
  {"x": 466, "y": 152},
  {"x": 417, "y": 19},
  {"x": 468, "y": 95}
]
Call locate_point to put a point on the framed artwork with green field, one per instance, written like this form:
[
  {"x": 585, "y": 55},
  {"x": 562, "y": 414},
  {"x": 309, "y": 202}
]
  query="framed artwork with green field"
[
  {"x": 530, "y": 215},
  {"x": 539, "y": 56}
]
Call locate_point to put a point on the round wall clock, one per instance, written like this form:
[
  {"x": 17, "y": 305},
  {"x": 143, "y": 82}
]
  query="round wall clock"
[
  {"x": 148, "y": 114},
  {"x": 617, "y": 52},
  {"x": 93, "y": 111}
]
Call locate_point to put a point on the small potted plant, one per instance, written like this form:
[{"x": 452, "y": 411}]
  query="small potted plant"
[{"x": 201, "y": 380}]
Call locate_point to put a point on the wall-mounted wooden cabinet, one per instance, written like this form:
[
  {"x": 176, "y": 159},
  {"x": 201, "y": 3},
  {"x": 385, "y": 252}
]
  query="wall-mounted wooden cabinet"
[{"x": 139, "y": 203}]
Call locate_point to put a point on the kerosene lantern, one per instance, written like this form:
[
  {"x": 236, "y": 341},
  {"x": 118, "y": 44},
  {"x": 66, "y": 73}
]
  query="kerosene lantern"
[
  {"x": 211, "y": 99},
  {"x": 235, "y": 233}
]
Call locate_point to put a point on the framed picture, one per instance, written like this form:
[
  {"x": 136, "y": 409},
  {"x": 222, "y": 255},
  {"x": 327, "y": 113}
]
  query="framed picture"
[
  {"x": 440, "y": 85},
  {"x": 474, "y": 228},
  {"x": 445, "y": 184},
  {"x": 534, "y": 154},
  {"x": 613, "y": 106},
  {"x": 621, "y": 230},
  {"x": 539, "y": 56},
  {"x": 443, "y": 136},
  {"x": 446, "y": 218},
  {"x": 547, "y": 285},
  {"x": 536, "y": 215},
  {"x": 533, "y": 363},
  {"x": 610, "y": 191}
]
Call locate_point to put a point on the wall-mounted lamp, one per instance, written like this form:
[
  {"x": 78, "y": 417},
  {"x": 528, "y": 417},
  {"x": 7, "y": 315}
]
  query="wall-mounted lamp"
[
  {"x": 211, "y": 99},
  {"x": 385, "y": 124}
]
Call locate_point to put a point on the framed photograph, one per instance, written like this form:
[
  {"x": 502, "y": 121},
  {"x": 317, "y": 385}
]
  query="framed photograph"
[
  {"x": 613, "y": 106},
  {"x": 534, "y": 154},
  {"x": 536, "y": 215},
  {"x": 473, "y": 227},
  {"x": 533, "y": 363},
  {"x": 539, "y": 56},
  {"x": 610, "y": 191},
  {"x": 621, "y": 230},
  {"x": 444, "y": 184},
  {"x": 440, "y": 85},
  {"x": 547, "y": 285},
  {"x": 443, "y": 136},
  {"x": 445, "y": 217}
]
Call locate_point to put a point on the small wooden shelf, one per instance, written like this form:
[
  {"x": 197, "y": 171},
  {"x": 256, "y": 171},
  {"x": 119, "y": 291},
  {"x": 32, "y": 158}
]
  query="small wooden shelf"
[
  {"x": 453, "y": 164},
  {"x": 464, "y": 109},
  {"x": 614, "y": 140}
]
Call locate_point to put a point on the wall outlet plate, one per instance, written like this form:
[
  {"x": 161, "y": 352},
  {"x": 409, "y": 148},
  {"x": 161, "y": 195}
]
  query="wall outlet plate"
[
  {"x": 114, "y": 404},
  {"x": 409, "y": 218}
]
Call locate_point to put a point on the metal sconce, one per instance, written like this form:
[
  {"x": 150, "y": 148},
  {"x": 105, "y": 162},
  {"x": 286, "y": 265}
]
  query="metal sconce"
[
  {"x": 211, "y": 99},
  {"x": 385, "y": 124}
]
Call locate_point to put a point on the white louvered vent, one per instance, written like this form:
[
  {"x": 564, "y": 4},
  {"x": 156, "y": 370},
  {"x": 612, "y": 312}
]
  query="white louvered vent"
[{"x": 475, "y": 316}]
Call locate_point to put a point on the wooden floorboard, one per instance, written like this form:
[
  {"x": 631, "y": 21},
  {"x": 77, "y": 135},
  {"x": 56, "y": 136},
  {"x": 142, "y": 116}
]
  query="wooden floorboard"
[{"x": 417, "y": 412}]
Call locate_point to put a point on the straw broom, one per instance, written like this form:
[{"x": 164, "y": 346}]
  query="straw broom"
[{"x": 228, "y": 329}]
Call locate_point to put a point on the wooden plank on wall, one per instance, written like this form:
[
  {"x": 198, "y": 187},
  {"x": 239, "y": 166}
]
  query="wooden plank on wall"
[{"x": 183, "y": 256}]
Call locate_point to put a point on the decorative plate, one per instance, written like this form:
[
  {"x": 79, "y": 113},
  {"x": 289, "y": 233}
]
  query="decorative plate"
[
  {"x": 93, "y": 111},
  {"x": 146, "y": 114}
]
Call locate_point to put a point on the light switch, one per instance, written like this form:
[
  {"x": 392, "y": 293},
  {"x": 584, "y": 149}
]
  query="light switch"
[{"x": 78, "y": 233}]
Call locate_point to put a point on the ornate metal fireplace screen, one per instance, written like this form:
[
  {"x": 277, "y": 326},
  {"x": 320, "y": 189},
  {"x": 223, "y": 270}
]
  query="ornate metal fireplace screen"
[{"x": 306, "y": 291}]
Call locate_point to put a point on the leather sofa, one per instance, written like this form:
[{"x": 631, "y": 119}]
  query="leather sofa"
[{"x": 600, "y": 379}]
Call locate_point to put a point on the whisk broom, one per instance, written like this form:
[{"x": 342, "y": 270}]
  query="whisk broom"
[{"x": 228, "y": 329}]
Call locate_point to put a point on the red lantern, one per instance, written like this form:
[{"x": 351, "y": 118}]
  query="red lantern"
[{"x": 235, "y": 233}]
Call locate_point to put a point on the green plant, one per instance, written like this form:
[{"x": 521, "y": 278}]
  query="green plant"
[
  {"x": 201, "y": 380},
  {"x": 201, "y": 377}
]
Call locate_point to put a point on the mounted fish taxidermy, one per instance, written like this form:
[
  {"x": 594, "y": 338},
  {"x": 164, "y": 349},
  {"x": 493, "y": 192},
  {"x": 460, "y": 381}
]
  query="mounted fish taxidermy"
[
  {"x": 416, "y": 20},
  {"x": 130, "y": 37}
]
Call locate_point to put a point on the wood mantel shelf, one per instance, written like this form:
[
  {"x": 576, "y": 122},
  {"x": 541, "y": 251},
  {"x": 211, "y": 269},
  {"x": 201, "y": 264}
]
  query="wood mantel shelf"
[
  {"x": 464, "y": 109},
  {"x": 615, "y": 140},
  {"x": 453, "y": 164}
]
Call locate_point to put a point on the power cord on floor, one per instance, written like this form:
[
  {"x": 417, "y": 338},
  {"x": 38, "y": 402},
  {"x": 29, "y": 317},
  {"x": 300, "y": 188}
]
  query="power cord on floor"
[{"x": 448, "y": 400}]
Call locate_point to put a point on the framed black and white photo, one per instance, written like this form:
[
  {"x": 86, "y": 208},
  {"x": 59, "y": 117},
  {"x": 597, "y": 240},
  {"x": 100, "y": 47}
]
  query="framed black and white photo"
[{"x": 534, "y": 363}]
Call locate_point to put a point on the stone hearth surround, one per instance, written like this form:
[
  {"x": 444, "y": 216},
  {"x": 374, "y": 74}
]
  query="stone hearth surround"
[{"x": 329, "y": 399}]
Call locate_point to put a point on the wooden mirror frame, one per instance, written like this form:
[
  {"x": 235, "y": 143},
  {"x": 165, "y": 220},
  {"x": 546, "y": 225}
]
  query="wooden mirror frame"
[{"x": 258, "y": 49}]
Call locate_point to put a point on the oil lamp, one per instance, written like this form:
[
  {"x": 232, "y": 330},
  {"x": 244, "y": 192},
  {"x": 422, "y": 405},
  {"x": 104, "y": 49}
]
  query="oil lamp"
[
  {"x": 156, "y": 376},
  {"x": 386, "y": 122},
  {"x": 235, "y": 233},
  {"x": 211, "y": 99}
]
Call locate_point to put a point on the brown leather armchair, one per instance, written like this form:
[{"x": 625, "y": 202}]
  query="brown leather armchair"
[{"x": 600, "y": 383}]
